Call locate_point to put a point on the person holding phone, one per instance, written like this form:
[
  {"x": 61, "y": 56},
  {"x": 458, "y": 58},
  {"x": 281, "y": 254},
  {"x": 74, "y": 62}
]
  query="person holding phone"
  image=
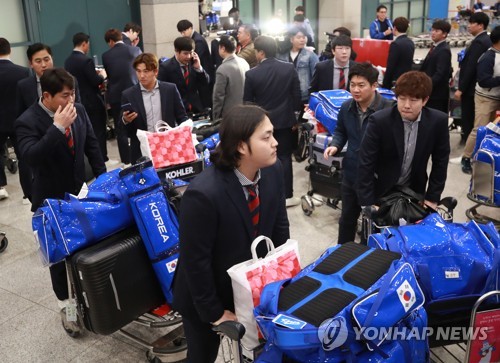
[
  {"x": 187, "y": 73},
  {"x": 148, "y": 102}
]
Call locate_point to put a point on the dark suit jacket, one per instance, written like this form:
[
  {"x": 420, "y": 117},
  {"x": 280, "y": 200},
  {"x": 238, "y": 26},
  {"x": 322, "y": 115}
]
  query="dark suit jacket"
[
  {"x": 26, "y": 94},
  {"x": 172, "y": 111},
  {"x": 121, "y": 75},
  {"x": 83, "y": 69},
  {"x": 274, "y": 85},
  {"x": 126, "y": 39},
  {"x": 216, "y": 233},
  {"x": 10, "y": 74},
  {"x": 437, "y": 65},
  {"x": 467, "y": 77},
  {"x": 170, "y": 71},
  {"x": 45, "y": 149},
  {"x": 382, "y": 149},
  {"x": 399, "y": 60},
  {"x": 201, "y": 48},
  {"x": 323, "y": 76}
]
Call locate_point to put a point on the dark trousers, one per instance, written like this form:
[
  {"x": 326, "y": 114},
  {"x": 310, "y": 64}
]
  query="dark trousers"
[
  {"x": 351, "y": 209},
  {"x": 59, "y": 280},
  {"x": 439, "y": 104},
  {"x": 468, "y": 111},
  {"x": 98, "y": 118},
  {"x": 121, "y": 134},
  {"x": 25, "y": 175},
  {"x": 285, "y": 148},
  {"x": 202, "y": 342}
]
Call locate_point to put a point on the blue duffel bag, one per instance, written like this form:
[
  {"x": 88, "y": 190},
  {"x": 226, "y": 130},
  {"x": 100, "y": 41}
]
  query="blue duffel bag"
[
  {"x": 62, "y": 227},
  {"x": 155, "y": 219},
  {"x": 346, "y": 306},
  {"x": 326, "y": 106},
  {"x": 455, "y": 263}
]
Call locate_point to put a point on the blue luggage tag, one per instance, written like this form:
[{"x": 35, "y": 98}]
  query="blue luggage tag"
[{"x": 289, "y": 322}]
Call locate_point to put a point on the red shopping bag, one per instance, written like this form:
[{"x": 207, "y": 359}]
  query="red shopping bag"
[
  {"x": 168, "y": 145},
  {"x": 249, "y": 278}
]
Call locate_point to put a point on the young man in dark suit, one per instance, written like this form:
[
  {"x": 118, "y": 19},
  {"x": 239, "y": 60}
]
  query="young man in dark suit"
[
  {"x": 28, "y": 92},
  {"x": 245, "y": 162},
  {"x": 187, "y": 73},
  {"x": 351, "y": 126},
  {"x": 151, "y": 101},
  {"x": 478, "y": 23},
  {"x": 89, "y": 80},
  {"x": 10, "y": 74},
  {"x": 401, "y": 50},
  {"x": 437, "y": 65},
  {"x": 117, "y": 62},
  {"x": 398, "y": 143},
  {"x": 333, "y": 73},
  {"x": 130, "y": 34},
  {"x": 185, "y": 27},
  {"x": 54, "y": 134},
  {"x": 274, "y": 85}
]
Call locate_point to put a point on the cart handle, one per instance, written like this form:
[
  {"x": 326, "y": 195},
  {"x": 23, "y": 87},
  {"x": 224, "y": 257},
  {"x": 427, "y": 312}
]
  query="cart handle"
[{"x": 232, "y": 329}]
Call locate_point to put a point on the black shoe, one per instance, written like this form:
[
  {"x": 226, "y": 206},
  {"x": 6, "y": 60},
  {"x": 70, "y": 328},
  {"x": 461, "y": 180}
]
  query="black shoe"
[{"x": 466, "y": 166}]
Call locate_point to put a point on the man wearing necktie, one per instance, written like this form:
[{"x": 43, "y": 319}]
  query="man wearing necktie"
[
  {"x": 54, "y": 135},
  {"x": 437, "y": 65},
  {"x": 187, "y": 73},
  {"x": 334, "y": 73},
  {"x": 239, "y": 197},
  {"x": 151, "y": 101}
]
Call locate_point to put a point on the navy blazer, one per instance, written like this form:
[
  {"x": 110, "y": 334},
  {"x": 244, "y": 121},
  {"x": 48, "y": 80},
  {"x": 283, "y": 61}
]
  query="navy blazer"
[
  {"x": 197, "y": 90},
  {"x": 216, "y": 233},
  {"x": 117, "y": 62},
  {"x": 350, "y": 131},
  {"x": 26, "y": 94},
  {"x": 83, "y": 69},
  {"x": 172, "y": 111},
  {"x": 468, "y": 74},
  {"x": 437, "y": 65},
  {"x": 45, "y": 149},
  {"x": 382, "y": 150},
  {"x": 323, "y": 76},
  {"x": 399, "y": 60},
  {"x": 10, "y": 74},
  {"x": 274, "y": 85}
]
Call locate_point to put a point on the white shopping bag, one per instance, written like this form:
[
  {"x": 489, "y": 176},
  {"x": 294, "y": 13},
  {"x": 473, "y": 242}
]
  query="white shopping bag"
[{"x": 249, "y": 278}]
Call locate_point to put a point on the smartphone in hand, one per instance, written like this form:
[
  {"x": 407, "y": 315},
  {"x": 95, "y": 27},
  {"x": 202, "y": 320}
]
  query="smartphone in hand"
[{"x": 127, "y": 107}]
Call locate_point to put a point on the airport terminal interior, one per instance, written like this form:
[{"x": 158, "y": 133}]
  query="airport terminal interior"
[{"x": 30, "y": 322}]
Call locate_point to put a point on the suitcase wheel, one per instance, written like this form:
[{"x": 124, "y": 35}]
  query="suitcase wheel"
[
  {"x": 12, "y": 166},
  {"x": 3, "y": 244},
  {"x": 307, "y": 205}
]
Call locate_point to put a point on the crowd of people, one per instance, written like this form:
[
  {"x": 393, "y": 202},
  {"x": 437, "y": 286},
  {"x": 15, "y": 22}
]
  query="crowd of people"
[{"x": 56, "y": 118}]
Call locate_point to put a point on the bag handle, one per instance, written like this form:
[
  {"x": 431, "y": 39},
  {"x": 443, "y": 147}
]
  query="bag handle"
[
  {"x": 253, "y": 247},
  {"x": 81, "y": 215},
  {"x": 162, "y": 126}
]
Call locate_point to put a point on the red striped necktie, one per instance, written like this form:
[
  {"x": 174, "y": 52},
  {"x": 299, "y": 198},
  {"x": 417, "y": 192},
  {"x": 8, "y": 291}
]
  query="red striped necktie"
[
  {"x": 341, "y": 78},
  {"x": 69, "y": 140},
  {"x": 253, "y": 206}
]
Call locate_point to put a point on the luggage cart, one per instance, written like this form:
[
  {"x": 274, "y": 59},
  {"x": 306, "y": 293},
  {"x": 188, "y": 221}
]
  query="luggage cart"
[
  {"x": 103, "y": 302},
  {"x": 486, "y": 317},
  {"x": 325, "y": 176},
  {"x": 483, "y": 188},
  {"x": 10, "y": 159}
]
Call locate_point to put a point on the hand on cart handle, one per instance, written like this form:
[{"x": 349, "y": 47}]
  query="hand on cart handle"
[
  {"x": 231, "y": 329},
  {"x": 227, "y": 316},
  {"x": 330, "y": 151}
]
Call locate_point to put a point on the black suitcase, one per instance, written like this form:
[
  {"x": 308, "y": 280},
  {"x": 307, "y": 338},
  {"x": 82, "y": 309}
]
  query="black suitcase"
[{"x": 114, "y": 282}]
